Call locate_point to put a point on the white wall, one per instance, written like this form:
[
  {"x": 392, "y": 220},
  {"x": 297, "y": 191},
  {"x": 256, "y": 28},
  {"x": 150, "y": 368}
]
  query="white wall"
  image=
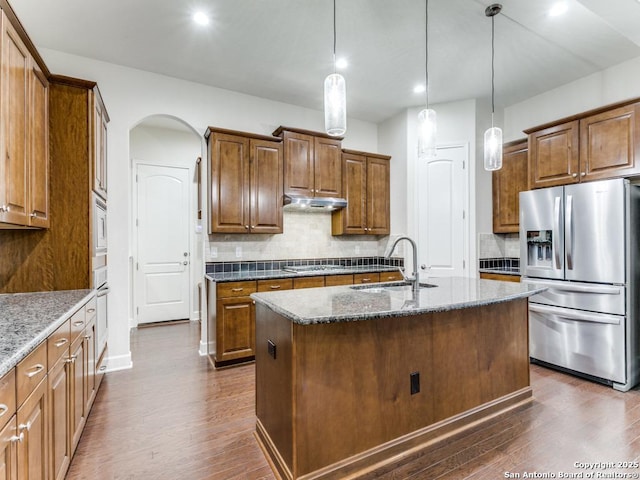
[
  {"x": 614, "y": 84},
  {"x": 162, "y": 146},
  {"x": 132, "y": 95}
]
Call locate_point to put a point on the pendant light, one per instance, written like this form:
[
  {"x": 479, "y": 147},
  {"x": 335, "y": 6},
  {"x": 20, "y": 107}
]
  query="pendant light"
[
  {"x": 493, "y": 136},
  {"x": 427, "y": 116},
  {"x": 335, "y": 95}
]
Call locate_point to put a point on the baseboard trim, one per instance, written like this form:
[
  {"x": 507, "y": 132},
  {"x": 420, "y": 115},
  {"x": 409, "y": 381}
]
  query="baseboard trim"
[{"x": 119, "y": 362}]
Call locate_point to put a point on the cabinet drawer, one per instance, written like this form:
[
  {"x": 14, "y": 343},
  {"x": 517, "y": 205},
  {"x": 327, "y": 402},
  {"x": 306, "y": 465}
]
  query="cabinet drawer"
[
  {"x": 236, "y": 289},
  {"x": 30, "y": 372},
  {"x": 90, "y": 309},
  {"x": 58, "y": 343},
  {"x": 334, "y": 280},
  {"x": 308, "y": 282},
  {"x": 7, "y": 396},
  {"x": 366, "y": 278},
  {"x": 274, "y": 285},
  {"x": 78, "y": 322},
  {"x": 390, "y": 277}
]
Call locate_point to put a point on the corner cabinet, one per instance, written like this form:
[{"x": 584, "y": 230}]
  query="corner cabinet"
[
  {"x": 24, "y": 196},
  {"x": 311, "y": 163},
  {"x": 599, "y": 144},
  {"x": 366, "y": 186},
  {"x": 507, "y": 183},
  {"x": 245, "y": 182}
]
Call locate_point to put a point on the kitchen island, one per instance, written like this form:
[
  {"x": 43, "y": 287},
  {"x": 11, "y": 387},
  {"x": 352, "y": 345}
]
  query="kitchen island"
[{"x": 350, "y": 379}]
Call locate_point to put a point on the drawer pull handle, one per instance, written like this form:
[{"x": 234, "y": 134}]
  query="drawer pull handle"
[
  {"x": 3, "y": 409},
  {"x": 275, "y": 287},
  {"x": 239, "y": 289},
  {"x": 366, "y": 279},
  {"x": 61, "y": 342},
  {"x": 78, "y": 323},
  {"x": 24, "y": 426},
  {"x": 102, "y": 368},
  {"x": 91, "y": 310},
  {"x": 35, "y": 370},
  {"x": 17, "y": 438},
  {"x": 71, "y": 359},
  {"x": 87, "y": 337}
]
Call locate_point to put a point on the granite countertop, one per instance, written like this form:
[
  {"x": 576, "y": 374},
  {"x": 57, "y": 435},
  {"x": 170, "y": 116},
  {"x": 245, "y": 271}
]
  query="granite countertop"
[
  {"x": 26, "y": 319},
  {"x": 341, "y": 304},
  {"x": 269, "y": 274}
]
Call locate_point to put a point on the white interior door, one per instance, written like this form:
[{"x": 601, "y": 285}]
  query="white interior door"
[
  {"x": 162, "y": 223},
  {"x": 442, "y": 220}
]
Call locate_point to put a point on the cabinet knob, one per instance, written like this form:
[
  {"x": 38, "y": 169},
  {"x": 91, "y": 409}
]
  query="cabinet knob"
[
  {"x": 574, "y": 175},
  {"x": 246, "y": 227},
  {"x": 33, "y": 215},
  {"x": 24, "y": 426},
  {"x": 17, "y": 438},
  {"x": 582, "y": 174}
]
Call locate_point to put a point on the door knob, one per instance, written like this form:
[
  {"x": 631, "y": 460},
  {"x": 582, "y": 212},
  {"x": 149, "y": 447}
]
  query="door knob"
[
  {"x": 185, "y": 263},
  {"x": 185, "y": 254},
  {"x": 423, "y": 266}
]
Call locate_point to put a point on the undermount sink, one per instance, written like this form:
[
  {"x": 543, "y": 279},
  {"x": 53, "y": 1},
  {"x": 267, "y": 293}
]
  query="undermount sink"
[{"x": 390, "y": 286}]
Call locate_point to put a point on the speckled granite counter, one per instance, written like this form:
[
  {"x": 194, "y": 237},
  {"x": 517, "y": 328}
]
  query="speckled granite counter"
[
  {"x": 341, "y": 304},
  {"x": 26, "y": 319},
  {"x": 269, "y": 274}
]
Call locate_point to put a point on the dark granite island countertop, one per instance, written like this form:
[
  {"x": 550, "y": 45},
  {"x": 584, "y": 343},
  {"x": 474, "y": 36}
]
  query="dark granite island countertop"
[
  {"x": 354, "y": 379},
  {"x": 27, "y": 319},
  {"x": 353, "y": 303}
]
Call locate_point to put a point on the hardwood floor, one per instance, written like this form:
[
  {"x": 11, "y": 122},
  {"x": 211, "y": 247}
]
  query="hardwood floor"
[{"x": 174, "y": 417}]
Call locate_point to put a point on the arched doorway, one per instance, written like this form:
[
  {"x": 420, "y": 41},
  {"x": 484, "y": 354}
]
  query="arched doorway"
[{"x": 167, "y": 264}]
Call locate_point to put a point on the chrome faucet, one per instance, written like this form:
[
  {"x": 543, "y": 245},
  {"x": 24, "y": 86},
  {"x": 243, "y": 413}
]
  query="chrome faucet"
[{"x": 415, "y": 281}]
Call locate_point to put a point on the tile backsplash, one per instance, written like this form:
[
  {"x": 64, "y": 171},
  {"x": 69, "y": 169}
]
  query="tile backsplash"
[
  {"x": 498, "y": 245},
  {"x": 305, "y": 235}
]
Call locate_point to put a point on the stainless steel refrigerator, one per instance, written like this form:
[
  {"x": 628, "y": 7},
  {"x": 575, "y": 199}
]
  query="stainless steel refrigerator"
[{"x": 580, "y": 241}]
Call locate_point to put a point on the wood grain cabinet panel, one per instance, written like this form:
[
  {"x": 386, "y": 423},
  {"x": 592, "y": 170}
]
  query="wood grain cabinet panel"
[
  {"x": 391, "y": 277},
  {"x": 309, "y": 282},
  {"x": 245, "y": 182},
  {"x": 554, "y": 155},
  {"x": 359, "y": 278},
  {"x": 33, "y": 423},
  {"x": 99, "y": 119},
  {"x": 77, "y": 380},
  {"x": 235, "y": 329},
  {"x": 312, "y": 163},
  {"x": 507, "y": 183},
  {"x": 39, "y": 148},
  {"x": 610, "y": 143},
  {"x": 8, "y": 458},
  {"x": 366, "y": 184},
  {"x": 275, "y": 284},
  {"x": 59, "y": 402},
  {"x": 335, "y": 280}
]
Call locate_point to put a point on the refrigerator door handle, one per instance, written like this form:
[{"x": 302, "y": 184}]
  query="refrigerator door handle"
[
  {"x": 570, "y": 314},
  {"x": 556, "y": 232},
  {"x": 569, "y": 287},
  {"x": 568, "y": 231}
]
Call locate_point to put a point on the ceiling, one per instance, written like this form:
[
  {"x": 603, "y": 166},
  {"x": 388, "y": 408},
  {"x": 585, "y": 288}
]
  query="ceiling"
[{"x": 282, "y": 49}]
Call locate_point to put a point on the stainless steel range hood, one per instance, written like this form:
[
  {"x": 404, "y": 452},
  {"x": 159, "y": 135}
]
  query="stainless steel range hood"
[{"x": 313, "y": 204}]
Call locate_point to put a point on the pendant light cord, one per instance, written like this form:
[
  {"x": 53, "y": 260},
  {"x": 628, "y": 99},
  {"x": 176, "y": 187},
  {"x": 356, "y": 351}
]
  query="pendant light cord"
[
  {"x": 426, "y": 51},
  {"x": 493, "y": 72},
  {"x": 334, "y": 36}
]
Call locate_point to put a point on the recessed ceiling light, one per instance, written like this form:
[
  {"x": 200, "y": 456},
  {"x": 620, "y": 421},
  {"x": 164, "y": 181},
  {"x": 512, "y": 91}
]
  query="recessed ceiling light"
[
  {"x": 558, "y": 9},
  {"x": 419, "y": 88},
  {"x": 201, "y": 18},
  {"x": 342, "y": 63}
]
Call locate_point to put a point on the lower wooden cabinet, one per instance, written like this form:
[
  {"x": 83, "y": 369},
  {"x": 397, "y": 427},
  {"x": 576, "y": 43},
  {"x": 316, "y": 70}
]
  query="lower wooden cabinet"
[
  {"x": 366, "y": 278},
  {"x": 235, "y": 335},
  {"x": 499, "y": 276},
  {"x": 41, "y": 424}
]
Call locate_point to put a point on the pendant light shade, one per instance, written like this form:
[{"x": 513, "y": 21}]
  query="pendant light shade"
[
  {"x": 335, "y": 105},
  {"x": 493, "y": 149},
  {"x": 426, "y": 118},
  {"x": 335, "y": 95},
  {"x": 427, "y": 129},
  {"x": 493, "y": 136}
]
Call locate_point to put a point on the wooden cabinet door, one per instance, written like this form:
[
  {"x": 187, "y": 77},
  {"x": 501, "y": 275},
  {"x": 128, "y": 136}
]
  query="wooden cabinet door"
[
  {"x": 8, "y": 459},
  {"x": 59, "y": 407},
  {"x": 298, "y": 164},
  {"x": 76, "y": 389},
  {"x": 33, "y": 420},
  {"x": 39, "y": 151},
  {"x": 229, "y": 160},
  {"x": 327, "y": 167},
  {"x": 359, "y": 278},
  {"x": 89, "y": 366},
  {"x": 378, "y": 210},
  {"x": 235, "y": 328},
  {"x": 352, "y": 218},
  {"x": 508, "y": 182},
  {"x": 610, "y": 144},
  {"x": 554, "y": 155},
  {"x": 14, "y": 179},
  {"x": 266, "y": 186},
  {"x": 99, "y": 121}
]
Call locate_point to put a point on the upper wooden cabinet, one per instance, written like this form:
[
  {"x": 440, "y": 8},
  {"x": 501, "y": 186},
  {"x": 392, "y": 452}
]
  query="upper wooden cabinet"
[
  {"x": 312, "y": 163},
  {"x": 508, "y": 182},
  {"x": 24, "y": 196},
  {"x": 99, "y": 119},
  {"x": 245, "y": 182},
  {"x": 366, "y": 181},
  {"x": 598, "y": 144}
]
